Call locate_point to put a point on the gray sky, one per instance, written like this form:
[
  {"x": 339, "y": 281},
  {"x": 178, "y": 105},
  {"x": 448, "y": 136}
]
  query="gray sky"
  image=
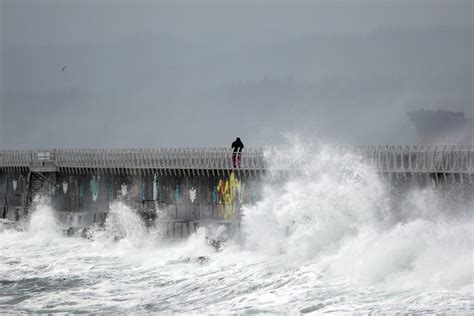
[{"x": 200, "y": 73}]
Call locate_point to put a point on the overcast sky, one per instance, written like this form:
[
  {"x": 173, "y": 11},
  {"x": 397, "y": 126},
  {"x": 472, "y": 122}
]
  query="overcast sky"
[{"x": 200, "y": 73}]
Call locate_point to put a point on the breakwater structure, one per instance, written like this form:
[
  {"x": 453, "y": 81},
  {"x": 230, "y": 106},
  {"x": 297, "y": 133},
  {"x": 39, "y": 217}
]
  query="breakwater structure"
[{"x": 187, "y": 187}]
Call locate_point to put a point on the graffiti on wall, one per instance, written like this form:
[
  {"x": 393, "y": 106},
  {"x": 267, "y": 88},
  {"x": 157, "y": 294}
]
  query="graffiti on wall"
[
  {"x": 18, "y": 184},
  {"x": 111, "y": 189},
  {"x": 65, "y": 187},
  {"x": 124, "y": 190},
  {"x": 177, "y": 192},
  {"x": 156, "y": 188},
  {"x": 192, "y": 194},
  {"x": 229, "y": 196},
  {"x": 94, "y": 187},
  {"x": 212, "y": 195}
]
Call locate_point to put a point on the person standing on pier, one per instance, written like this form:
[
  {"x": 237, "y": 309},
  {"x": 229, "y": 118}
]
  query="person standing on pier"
[{"x": 237, "y": 147}]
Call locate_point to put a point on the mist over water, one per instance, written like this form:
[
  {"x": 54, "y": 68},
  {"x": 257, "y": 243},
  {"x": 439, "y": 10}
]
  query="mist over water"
[{"x": 328, "y": 235}]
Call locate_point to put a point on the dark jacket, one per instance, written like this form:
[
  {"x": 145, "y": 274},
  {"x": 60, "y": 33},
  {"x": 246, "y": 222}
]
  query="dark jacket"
[{"x": 237, "y": 145}]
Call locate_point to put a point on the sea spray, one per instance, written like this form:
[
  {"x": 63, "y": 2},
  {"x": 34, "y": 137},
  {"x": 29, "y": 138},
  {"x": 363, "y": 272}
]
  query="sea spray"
[
  {"x": 125, "y": 223},
  {"x": 430, "y": 247},
  {"x": 324, "y": 198},
  {"x": 333, "y": 211},
  {"x": 42, "y": 221}
]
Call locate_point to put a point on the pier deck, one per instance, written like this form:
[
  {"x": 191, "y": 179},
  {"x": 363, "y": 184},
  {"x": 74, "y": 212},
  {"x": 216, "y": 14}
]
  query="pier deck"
[{"x": 202, "y": 161}]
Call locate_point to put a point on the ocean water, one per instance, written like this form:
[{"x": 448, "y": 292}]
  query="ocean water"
[{"x": 326, "y": 238}]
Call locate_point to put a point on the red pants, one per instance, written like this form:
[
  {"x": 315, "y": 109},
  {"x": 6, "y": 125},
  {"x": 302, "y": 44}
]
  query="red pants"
[{"x": 236, "y": 160}]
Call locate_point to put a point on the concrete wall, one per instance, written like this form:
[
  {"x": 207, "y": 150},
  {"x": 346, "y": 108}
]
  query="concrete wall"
[
  {"x": 183, "y": 198},
  {"x": 13, "y": 192},
  {"x": 182, "y": 201}
]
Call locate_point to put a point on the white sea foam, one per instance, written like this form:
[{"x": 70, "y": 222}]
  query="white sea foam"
[
  {"x": 324, "y": 237},
  {"x": 324, "y": 199},
  {"x": 335, "y": 210},
  {"x": 42, "y": 224},
  {"x": 124, "y": 223}
]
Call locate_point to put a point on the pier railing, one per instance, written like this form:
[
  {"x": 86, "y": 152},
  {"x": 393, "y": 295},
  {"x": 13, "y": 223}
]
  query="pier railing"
[
  {"x": 419, "y": 158},
  {"x": 391, "y": 159},
  {"x": 187, "y": 158},
  {"x": 133, "y": 159}
]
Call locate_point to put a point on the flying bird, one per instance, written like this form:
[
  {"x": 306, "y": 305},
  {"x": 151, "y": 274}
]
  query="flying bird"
[{"x": 64, "y": 68}]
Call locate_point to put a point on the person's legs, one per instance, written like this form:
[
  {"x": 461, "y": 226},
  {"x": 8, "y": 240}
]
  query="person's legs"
[
  {"x": 238, "y": 160},
  {"x": 234, "y": 163}
]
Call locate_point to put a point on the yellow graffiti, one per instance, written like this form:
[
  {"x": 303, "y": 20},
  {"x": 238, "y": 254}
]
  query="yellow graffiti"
[{"x": 229, "y": 194}]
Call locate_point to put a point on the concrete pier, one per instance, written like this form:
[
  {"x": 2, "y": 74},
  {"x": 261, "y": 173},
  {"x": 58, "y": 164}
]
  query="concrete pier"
[{"x": 186, "y": 187}]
